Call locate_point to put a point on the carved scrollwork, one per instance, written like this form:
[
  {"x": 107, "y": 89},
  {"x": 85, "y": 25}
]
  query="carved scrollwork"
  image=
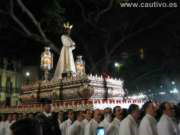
[{"x": 85, "y": 91}]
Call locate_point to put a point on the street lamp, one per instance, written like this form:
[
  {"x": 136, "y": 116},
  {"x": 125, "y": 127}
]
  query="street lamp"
[
  {"x": 173, "y": 82},
  {"x": 46, "y": 62},
  {"x": 116, "y": 64},
  {"x": 27, "y": 75}
]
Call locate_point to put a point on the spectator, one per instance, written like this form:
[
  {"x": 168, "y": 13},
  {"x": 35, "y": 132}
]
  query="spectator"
[
  {"x": 44, "y": 118},
  {"x": 55, "y": 124},
  {"x": 113, "y": 128},
  {"x": 148, "y": 123},
  {"x": 26, "y": 127},
  {"x": 91, "y": 127},
  {"x": 129, "y": 125},
  {"x": 66, "y": 124},
  {"x": 166, "y": 125},
  {"x": 77, "y": 127}
]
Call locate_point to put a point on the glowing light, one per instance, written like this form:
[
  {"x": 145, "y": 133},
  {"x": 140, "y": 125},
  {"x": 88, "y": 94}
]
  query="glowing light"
[
  {"x": 117, "y": 64},
  {"x": 173, "y": 82},
  {"x": 27, "y": 74},
  {"x": 162, "y": 93},
  {"x": 139, "y": 96},
  {"x": 174, "y": 91}
]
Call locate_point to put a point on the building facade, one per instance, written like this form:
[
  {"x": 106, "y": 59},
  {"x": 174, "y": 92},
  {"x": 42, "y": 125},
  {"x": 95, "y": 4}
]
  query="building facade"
[{"x": 10, "y": 82}]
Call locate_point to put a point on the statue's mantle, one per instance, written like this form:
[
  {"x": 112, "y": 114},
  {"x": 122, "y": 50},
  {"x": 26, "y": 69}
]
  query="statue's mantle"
[{"x": 86, "y": 87}]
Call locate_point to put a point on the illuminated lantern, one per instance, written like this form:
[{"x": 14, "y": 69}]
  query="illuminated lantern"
[
  {"x": 46, "y": 61},
  {"x": 141, "y": 51},
  {"x": 80, "y": 66}
]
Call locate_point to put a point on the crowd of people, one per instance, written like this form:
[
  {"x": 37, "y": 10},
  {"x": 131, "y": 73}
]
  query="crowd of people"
[{"x": 152, "y": 119}]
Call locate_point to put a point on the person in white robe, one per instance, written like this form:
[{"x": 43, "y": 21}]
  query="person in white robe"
[
  {"x": 2, "y": 125},
  {"x": 114, "y": 126},
  {"x": 60, "y": 118},
  {"x": 107, "y": 119},
  {"x": 65, "y": 126},
  {"x": 166, "y": 125},
  {"x": 148, "y": 125},
  {"x": 66, "y": 62},
  {"x": 6, "y": 125},
  {"x": 129, "y": 125},
  {"x": 88, "y": 116},
  {"x": 92, "y": 126},
  {"x": 7, "y": 128},
  {"x": 77, "y": 127}
]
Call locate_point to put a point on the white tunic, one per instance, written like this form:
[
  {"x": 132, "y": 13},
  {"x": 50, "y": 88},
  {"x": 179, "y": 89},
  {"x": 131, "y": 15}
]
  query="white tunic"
[
  {"x": 66, "y": 60},
  {"x": 59, "y": 123},
  {"x": 65, "y": 127},
  {"x": 91, "y": 127},
  {"x": 7, "y": 128},
  {"x": 85, "y": 121},
  {"x": 76, "y": 128},
  {"x": 2, "y": 127},
  {"x": 114, "y": 127},
  {"x": 166, "y": 126},
  {"x": 148, "y": 126},
  {"x": 84, "y": 124},
  {"x": 105, "y": 123},
  {"x": 129, "y": 126}
]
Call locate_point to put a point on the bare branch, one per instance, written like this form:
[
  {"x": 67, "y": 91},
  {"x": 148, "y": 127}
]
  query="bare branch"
[
  {"x": 31, "y": 16},
  {"x": 83, "y": 12},
  {"x": 104, "y": 10},
  {"x": 146, "y": 74},
  {"x": 17, "y": 20},
  {"x": 130, "y": 35},
  {"x": 88, "y": 18},
  {"x": 43, "y": 39},
  {"x": 87, "y": 51},
  {"x": 108, "y": 39}
]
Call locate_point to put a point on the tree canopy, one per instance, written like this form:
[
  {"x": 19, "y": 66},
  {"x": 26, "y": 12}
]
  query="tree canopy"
[{"x": 104, "y": 34}]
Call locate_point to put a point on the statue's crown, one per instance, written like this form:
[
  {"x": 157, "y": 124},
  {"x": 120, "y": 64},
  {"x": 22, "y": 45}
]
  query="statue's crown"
[{"x": 67, "y": 25}]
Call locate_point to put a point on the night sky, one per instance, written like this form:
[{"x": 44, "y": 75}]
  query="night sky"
[{"x": 155, "y": 30}]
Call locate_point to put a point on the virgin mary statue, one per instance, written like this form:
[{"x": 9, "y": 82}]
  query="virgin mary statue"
[{"x": 66, "y": 62}]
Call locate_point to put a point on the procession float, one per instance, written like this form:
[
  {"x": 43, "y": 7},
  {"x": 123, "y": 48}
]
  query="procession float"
[{"x": 71, "y": 87}]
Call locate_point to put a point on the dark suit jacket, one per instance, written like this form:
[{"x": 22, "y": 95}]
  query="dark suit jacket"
[{"x": 48, "y": 126}]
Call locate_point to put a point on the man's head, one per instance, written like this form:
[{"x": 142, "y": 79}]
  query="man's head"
[
  {"x": 9, "y": 118},
  {"x": 167, "y": 108},
  {"x": 97, "y": 115},
  {"x": 117, "y": 111},
  {"x": 71, "y": 115},
  {"x": 61, "y": 116},
  {"x": 47, "y": 105},
  {"x": 150, "y": 108},
  {"x": 79, "y": 116},
  {"x": 108, "y": 114},
  {"x": 134, "y": 111},
  {"x": 107, "y": 111},
  {"x": 89, "y": 114},
  {"x": 47, "y": 108},
  {"x": 14, "y": 116}
]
